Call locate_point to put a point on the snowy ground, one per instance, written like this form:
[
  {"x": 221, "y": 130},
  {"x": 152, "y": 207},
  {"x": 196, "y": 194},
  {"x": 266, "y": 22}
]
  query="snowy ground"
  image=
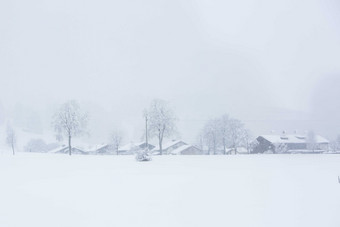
[{"x": 51, "y": 190}]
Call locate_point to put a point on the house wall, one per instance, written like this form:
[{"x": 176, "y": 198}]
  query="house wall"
[
  {"x": 143, "y": 146},
  {"x": 264, "y": 145},
  {"x": 78, "y": 151},
  {"x": 125, "y": 152},
  {"x": 105, "y": 150},
  {"x": 296, "y": 146},
  {"x": 192, "y": 151}
]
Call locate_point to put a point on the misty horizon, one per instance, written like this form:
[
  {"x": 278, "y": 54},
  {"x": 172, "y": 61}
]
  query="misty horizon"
[{"x": 264, "y": 64}]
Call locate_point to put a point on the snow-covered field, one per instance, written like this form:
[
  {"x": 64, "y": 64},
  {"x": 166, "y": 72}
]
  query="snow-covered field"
[{"x": 48, "y": 190}]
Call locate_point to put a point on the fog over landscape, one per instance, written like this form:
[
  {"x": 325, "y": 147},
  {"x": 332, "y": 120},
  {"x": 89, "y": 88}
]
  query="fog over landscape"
[
  {"x": 169, "y": 113},
  {"x": 274, "y": 66}
]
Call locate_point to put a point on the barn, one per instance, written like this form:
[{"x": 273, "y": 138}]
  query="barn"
[{"x": 290, "y": 144}]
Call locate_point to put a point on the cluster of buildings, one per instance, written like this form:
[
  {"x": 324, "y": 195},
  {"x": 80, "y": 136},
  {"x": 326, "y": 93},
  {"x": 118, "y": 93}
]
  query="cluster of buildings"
[
  {"x": 175, "y": 147},
  {"x": 284, "y": 143}
]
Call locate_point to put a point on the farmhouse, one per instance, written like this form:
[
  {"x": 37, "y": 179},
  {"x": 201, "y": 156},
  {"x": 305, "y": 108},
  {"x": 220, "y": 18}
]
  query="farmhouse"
[
  {"x": 290, "y": 144},
  {"x": 168, "y": 147},
  {"x": 186, "y": 150},
  {"x": 64, "y": 150}
]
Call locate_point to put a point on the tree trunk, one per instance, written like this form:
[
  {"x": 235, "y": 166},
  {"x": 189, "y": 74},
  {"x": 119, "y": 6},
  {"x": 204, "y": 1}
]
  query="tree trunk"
[
  {"x": 160, "y": 140},
  {"x": 13, "y": 148},
  {"x": 160, "y": 147},
  {"x": 224, "y": 147},
  {"x": 146, "y": 133},
  {"x": 69, "y": 145}
]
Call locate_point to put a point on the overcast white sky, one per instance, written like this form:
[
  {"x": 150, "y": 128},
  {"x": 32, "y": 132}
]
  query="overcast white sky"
[{"x": 260, "y": 61}]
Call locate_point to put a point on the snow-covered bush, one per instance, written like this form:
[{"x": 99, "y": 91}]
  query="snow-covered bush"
[{"x": 143, "y": 155}]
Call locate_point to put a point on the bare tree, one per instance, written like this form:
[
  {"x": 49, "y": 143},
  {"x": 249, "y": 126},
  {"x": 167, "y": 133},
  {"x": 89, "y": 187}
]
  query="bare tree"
[
  {"x": 70, "y": 121},
  {"x": 333, "y": 145},
  {"x": 211, "y": 133},
  {"x": 223, "y": 127},
  {"x": 225, "y": 132},
  {"x": 146, "y": 117},
  {"x": 311, "y": 141},
  {"x": 161, "y": 121},
  {"x": 116, "y": 140},
  {"x": 11, "y": 138},
  {"x": 337, "y": 142},
  {"x": 236, "y": 132},
  {"x": 200, "y": 141},
  {"x": 247, "y": 141}
]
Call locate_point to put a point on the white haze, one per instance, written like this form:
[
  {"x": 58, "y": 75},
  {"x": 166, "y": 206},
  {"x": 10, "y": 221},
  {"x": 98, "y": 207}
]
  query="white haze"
[{"x": 274, "y": 65}]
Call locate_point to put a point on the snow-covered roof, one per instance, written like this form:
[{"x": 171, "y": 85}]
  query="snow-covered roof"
[
  {"x": 96, "y": 147},
  {"x": 180, "y": 149},
  {"x": 292, "y": 139},
  {"x": 58, "y": 149},
  {"x": 64, "y": 147},
  {"x": 79, "y": 148},
  {"x": 130, "y": 146},
  {"x": 168, "y": 144}
]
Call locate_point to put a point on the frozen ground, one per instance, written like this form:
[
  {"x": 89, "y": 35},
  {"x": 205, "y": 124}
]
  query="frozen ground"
[{"x": 48, "y": 190}]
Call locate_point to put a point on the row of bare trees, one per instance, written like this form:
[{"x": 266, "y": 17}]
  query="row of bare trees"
[{"x": 223, "y": 134}]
